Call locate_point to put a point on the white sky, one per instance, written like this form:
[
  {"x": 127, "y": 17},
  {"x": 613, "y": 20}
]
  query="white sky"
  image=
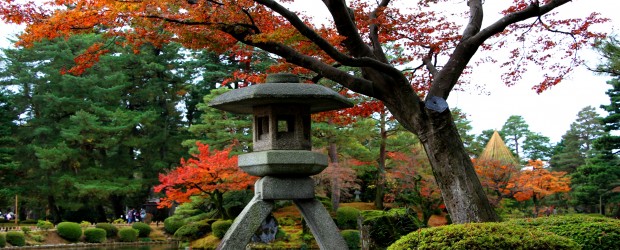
[{"x": 549, "y": 113}]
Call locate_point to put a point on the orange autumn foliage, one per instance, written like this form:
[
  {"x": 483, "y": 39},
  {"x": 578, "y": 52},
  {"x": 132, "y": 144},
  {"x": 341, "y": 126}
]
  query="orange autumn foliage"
[
  {"x": 495, "y": 176},
  {"x": 202, "y": 175},
  {"x": 538, "y": 182}
]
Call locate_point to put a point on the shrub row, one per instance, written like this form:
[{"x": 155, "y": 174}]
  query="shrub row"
[
  {"x": 554, "y": 232},
  {"x": 16, "y": 238}
]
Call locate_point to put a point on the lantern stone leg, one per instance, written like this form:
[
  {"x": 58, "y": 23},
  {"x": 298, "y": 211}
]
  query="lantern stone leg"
[{"x": 245, "y": 225}]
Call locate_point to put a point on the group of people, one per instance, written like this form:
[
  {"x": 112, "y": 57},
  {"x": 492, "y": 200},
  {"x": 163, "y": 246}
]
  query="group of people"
[
  {"x": 133, "y": 215},
  {"x": 7, "y": 216}
]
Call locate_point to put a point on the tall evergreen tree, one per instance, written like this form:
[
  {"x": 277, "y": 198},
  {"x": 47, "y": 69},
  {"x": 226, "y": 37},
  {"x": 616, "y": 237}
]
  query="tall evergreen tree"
[
  {"x": 100, "y": 137},
  {"x": 515, "y": 130}
]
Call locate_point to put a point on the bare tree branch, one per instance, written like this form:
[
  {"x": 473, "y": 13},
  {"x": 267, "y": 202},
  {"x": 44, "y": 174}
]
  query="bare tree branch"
[
  {"x": 447, "y": 77},
  {"x": 475, "y": 19},
  {"x": 345, "y": 24}
]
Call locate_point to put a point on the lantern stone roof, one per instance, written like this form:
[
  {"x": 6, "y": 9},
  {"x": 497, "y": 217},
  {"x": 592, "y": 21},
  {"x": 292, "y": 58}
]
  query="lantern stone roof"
[{"x": 319, "y": 98}]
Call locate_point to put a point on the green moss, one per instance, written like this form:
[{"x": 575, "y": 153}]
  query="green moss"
[
  {"x": 482, "y": 236},
  {"x": 143, "y": 229},
  {"x": 95, "y": 235},
  {"x": 70, "y": 231},
  {"x": 220, "y": 227}
]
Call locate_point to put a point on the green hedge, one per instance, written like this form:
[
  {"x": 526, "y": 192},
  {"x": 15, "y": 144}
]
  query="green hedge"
[
  {"x": 111, "y": 230},
  {"x": 95, "y": 235},
  {"x": 352, "y": 238},
  {"x": 128, "y": 234},
  {"x": 2, "y": 240},
  {"x": 220, "y": 227},
  {"x": 346, "y": 217},
  {"x": 70, "y": 231},
  {"x": 15, "y": 238},
  {"x": 590, "y": 231},
  {"x": 45, "y": 225},
  {"x": 143, "y": 229},
  {"x": 193, "y": 230},
  {"x": 483, "y": 236},
  {"x": 384, "y": 228},
  {"x": 172, "y": 224}
]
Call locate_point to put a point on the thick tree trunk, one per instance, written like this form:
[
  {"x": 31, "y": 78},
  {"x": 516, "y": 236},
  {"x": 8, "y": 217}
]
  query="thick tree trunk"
[
  {"x": 453, "y": 170},
  {"x": 54, "y": 211}
]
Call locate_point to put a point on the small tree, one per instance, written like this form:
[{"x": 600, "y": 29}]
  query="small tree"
[
  {"x": 208, "y": 173},
  {"x": 538, "y": 183}
]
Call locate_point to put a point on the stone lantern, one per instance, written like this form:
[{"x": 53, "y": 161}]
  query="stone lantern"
[{"x": 281, "y": 110}]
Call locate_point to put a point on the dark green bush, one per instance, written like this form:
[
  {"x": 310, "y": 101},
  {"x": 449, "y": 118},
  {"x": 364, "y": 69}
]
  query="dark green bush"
[
  {"x": 346, "y": 217},
  {"x": 482, "y": 236},
  {"x": 172, "y": 224},
  {"x": 111, "y": 230},
  {"x": 45, "y": 225},
  {"x": 590, "y": 231},
  {"x": 2, "y": 240},
  {"x": 143, "y": 229},
  {"x": 128, "y": 234},
  {"x": 385, "y": 228},
  {"x": 70, "y": 231},
  {"x": 28, "y": 221},
  {"x": 95, "y": 235},
  {"x": 352, "y": 238},
  {"x": 193, "y": 230},
  {"x": 15, "y": 238},
  {"x": 220, "y": 227}
]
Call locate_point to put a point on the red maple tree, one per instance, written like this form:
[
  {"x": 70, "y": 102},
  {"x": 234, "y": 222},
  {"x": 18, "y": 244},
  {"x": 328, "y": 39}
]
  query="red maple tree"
[{"x": 208, "y": 173}]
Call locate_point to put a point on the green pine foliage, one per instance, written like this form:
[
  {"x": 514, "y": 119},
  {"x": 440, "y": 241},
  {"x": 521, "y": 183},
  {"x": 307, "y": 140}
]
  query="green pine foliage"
[
  {"x": 172, "y": 224},
  {"x": 143, "y": 229},
  {"x": 193, "y": 230},
  {"x": 70, "y": 231},
  {"x": 95, "y": 235}
]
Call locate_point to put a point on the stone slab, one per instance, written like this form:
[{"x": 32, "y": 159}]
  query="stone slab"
[
  {"x": 283, "y": 163},
  {"x": 284, "y": 188}
]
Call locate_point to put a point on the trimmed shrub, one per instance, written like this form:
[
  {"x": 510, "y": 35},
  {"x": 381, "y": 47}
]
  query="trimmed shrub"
[
  {"x": 2, "y": 240},
  {"x": 220, "y": 227},
  {"x": 352, "y": 238},
  {"x": 45, "y": 225},
  {"x": 346, "y": 217},
  {"x": 590, "y": 231},
  {"x": 193, "y": 231},
  {"x": 143, "y": 229},
  {"x": 70, "y": 231},
  {"x": 482, "y": 236},
  {"x": 384, "y": 228},
  {"x": 111, "y": 230},
  {"x": 95, "y": 235},
  {"x": 128, "y": 234},
  {"x": 16, "y": 239},
  {"x": 172, "y": 224}
]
